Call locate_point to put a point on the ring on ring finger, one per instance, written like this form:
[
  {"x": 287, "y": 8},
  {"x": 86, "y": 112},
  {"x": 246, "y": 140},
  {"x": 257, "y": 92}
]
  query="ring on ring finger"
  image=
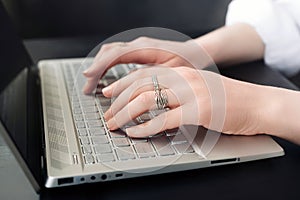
[{"x": 161, "y": 98}]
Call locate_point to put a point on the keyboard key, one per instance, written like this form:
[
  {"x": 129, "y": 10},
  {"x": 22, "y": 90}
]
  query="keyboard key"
[
  {"x": 117, "y": 133},
  {"x": 99, "y": 88},
  {"x": 82, "y": 132},
  {"x": 110, "y": 80},
  {"x": 105, "y": 108},
  {"x": 76, "y": 105},
  {"x": 184, "y": 148},
  {"x": 125, "y": 153},
  {"x": 145, "y": 117},
  {"x": 107, "y": 157},
  {"x": 77, "y": 111},
  {"x": 94, "y": 123},
  {"x": 78, "y": 117},
  {"x": 74, "y": 99},
  {"x": 97, "y": 131},
  {"x": 88, "y": 103},
  {"x": 103, "y": 148},
  {"x": 162, "y": 145},
  {"x": 144, "y": 150},
  {"x": 84, "y": 140},
  {"x": 86, "y": 149},
  {"x": 89, "y": 159},
  {"x": 90, "y": 109},
  {"x": 104, "y": 101},
  {"x": 131, "y": 123},
  {"x": 109, "y": 75},
  {"x": 100, "y": 139},
  {"x": 120, "y": 142},
  {"x": 92, "y": 116},
  {"x": 131, "y": 66},
  {"x": 157, "y": 112},
  {"x": 80, "y": 124},
  {"x": 178, "y": 139},
  {"x": 120, "y": 70},
  {"x": 173, "y": 132}
]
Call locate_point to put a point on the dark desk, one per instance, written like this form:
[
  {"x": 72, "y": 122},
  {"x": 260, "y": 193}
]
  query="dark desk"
[{"x": 277, "y": 178}]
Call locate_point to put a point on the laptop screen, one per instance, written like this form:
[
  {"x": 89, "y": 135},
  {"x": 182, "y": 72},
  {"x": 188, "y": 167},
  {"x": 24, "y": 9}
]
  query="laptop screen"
[{"x": 17, "y": 112}]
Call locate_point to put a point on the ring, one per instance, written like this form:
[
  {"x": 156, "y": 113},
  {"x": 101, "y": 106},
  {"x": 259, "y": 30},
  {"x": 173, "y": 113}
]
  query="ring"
[{"x": 161, "y": 97}]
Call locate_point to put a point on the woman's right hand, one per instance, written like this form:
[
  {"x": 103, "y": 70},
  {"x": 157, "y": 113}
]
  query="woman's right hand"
[{"x": 145, "y": 50}]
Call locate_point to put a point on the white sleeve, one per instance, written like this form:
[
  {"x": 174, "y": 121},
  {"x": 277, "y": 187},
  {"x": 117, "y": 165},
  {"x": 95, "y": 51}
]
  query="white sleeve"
[{"x": 276, "y": 26}]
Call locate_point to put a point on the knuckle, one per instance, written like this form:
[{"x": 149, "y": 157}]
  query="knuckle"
[
  {"x": 142, "y": 39},
  {"x": 140, "y": 73},
  {"x": 188, "y": 74},
  {"x": 169, "y": 123},
  {"x": 106, "y": 47},
  {"x": 136, "y": 84},
  {"x": 144, "y": 98}
]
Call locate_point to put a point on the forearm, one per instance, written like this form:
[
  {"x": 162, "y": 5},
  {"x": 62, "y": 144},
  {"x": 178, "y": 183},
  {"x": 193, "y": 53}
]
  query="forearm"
[
  {"x": 233, "y": 44},
  {"x": 256, "y": 109},
  {"x": 281, "y": 115}
]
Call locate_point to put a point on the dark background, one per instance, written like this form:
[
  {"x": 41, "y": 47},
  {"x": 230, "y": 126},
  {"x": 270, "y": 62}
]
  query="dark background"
[
  {"x": 71, "y": 28},
  {"x": 39, "y": 19},
  {"x": 65, "y": 18}
]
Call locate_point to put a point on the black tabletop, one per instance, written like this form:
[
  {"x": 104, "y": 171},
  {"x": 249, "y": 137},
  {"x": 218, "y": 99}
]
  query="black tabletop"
[{"x": 276, "y": 178}]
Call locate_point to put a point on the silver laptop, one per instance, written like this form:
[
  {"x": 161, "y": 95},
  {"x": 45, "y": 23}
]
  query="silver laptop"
[{"x": 62, "y": 139}]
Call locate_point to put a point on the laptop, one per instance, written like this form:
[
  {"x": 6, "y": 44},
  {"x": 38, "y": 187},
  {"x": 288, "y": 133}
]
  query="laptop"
[{"x": 60, "y": 138}]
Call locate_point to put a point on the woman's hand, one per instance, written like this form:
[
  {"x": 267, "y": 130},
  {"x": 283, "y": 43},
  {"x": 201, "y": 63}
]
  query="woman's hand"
[
  {"x": 193, "y": 98},
  {"x": 145, "y": 50}
]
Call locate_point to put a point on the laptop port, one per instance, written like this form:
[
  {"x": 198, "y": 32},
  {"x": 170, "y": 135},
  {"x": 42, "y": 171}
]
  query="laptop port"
[
  {"x": 119, "y": 175},
  {"x": 104, "y": 177},
  {"x": 222, "y": 161},
  {"x": 63, "y": 181}
]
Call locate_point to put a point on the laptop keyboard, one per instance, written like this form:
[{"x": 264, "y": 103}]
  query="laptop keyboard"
[{"x": 97, "y": 143}]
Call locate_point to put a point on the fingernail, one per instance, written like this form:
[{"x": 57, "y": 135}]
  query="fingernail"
[
  {"x": 86, "y": 71},
  {"x": 85, "y": 90},
  {"x": 106, "y": 89},
  {"x": 109, "y": 124},
  {"x": 130, "y": 131},
  {"x": 106, "y": 115}
]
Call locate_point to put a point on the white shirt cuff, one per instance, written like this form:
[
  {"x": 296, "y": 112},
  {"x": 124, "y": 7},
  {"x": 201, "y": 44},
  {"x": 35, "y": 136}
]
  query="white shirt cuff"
[{"x": 276, "y": 27}]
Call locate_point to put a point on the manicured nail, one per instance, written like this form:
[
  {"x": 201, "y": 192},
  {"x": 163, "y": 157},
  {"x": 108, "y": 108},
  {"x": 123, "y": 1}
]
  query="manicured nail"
[
  {"x": 106, "y": 89},
  {"x": 109, "y": 124},
  {"x": 130, "y": 131},
  {"x": 85, "y": 89},
  {"x": 107, "y": 115},
  {"x": 86, "y": 71}
]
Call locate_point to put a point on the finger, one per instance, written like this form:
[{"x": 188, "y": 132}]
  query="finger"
[
  {"x": 142, "y": 103},
  {"x": 106, "y": 47},
  {"x": 90, "y": 85},
  {"x": 167, "y": 120},
  {"x": 137, "y": 88},
  {"x": 120, "y": 85},
  {"x": 128, "y": 95},
  {"x": 114, "y": 54},
  {"x": 142, "y": 50}
]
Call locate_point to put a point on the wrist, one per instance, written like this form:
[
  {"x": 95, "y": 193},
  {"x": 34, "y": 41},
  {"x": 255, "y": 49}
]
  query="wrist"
[
  {"x": 210, "y": 44},
  {"x": 244, "y": 102},
  {"x": 281, "y": 114}
]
